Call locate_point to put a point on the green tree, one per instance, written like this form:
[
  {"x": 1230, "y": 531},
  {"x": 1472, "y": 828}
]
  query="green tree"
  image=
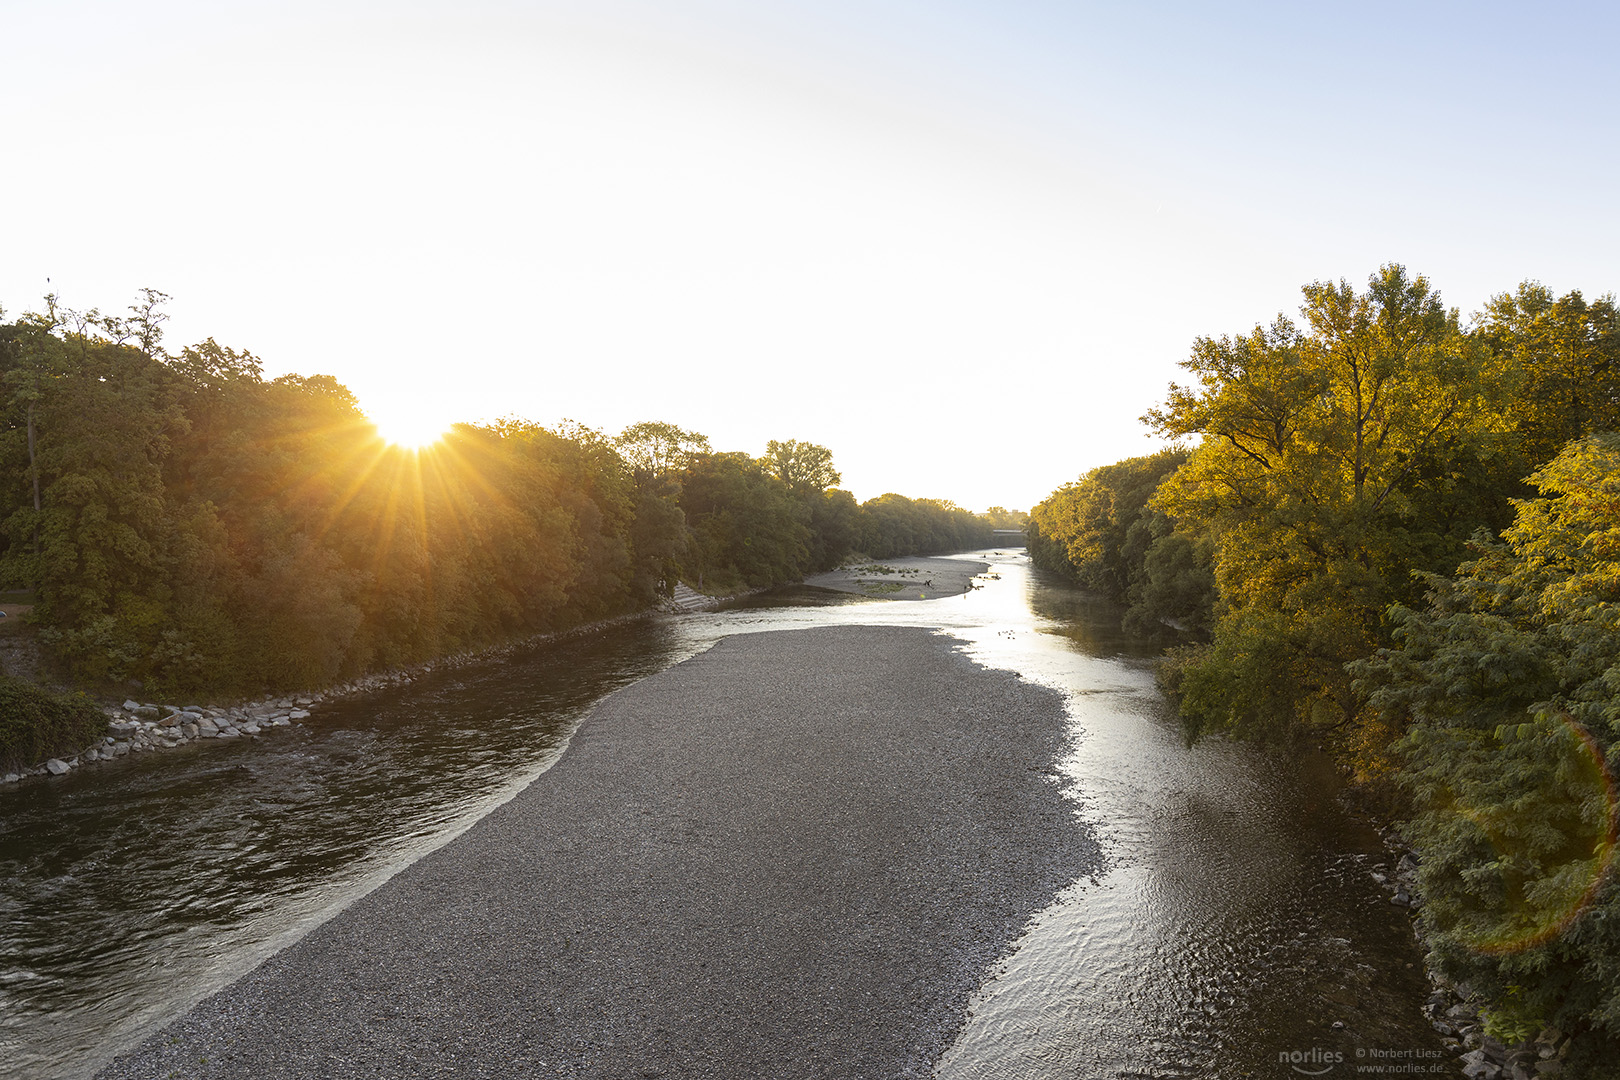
[
  {"x": 894, "y": 525},
  {"x": 1565, "y": 356},
  {"x": 1000, "y": 517},
  {"x": 1081, "y": 529},
  {"x": 747, "y": 528},
  {"x": 1509, "y": 679},
  {"x": 835, "y": 528},
  {"x": 659, "y": 450},
  {"x": 803, "y": 467},
  {"x": 655, "y": 453},
  {"x": 1314, "y": 447},
  {"x": 96, "y": 541}
]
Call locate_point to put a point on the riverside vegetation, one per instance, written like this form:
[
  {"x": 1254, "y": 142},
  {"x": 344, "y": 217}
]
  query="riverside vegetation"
[
  {"x": 192, "y": 530},
  {"x": 1399, "y": 537}
]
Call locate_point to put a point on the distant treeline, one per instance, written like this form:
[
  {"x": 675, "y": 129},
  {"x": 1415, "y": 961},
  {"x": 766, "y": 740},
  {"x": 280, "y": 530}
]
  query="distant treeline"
[
  {"x": 182, "y": 522},
  {"x": 1400, "y": 537}
]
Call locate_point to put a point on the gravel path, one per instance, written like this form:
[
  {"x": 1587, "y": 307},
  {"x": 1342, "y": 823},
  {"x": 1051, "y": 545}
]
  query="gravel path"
[{"x": 796, "y": 855}]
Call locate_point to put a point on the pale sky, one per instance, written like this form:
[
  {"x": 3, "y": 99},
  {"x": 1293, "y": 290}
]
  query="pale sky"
[{"x": 962, "y": 244}]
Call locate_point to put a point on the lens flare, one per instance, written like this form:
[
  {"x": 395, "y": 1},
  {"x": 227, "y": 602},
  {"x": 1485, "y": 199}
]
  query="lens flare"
[{"x": 1553, "y": 847}]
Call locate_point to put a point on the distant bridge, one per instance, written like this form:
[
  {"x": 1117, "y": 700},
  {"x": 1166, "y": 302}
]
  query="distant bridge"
[{"x": 1008, "y": 536}]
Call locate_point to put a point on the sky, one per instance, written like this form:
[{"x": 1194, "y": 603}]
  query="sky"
[{"x": 962, "y": 244}]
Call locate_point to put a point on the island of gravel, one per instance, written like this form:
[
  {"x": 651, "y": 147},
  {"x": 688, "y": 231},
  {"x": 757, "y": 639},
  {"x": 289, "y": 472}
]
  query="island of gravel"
[{"x": 798, "y": 854}]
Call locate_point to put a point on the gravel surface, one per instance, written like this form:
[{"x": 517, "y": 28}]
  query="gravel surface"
[
  {"x": 796, "y": 855},
  {"x": 912, "y": 577}
]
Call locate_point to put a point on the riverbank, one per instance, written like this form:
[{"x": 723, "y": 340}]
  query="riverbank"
[
  {"x": 140, "y": 727},
  {"x": 797, "y": 854},
  {"x": 136, "y": 727},
  {"x": 1454, "y": 1010}
]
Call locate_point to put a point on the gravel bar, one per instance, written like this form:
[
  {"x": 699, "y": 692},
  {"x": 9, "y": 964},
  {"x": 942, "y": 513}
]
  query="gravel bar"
[{"x": 796, "y": 855}]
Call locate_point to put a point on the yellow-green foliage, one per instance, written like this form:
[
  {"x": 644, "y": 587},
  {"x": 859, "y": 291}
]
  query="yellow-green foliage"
[
  {"x": 1339, "y": 473},
  {"x": 1324, "y": 477}
]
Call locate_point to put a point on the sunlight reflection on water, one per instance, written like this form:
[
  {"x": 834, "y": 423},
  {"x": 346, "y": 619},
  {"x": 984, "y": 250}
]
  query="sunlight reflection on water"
[{"x": 1235, "y": 917}]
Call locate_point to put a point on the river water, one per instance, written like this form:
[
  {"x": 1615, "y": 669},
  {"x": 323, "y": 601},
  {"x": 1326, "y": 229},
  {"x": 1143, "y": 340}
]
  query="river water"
[{"x": 1235, "y": 923}]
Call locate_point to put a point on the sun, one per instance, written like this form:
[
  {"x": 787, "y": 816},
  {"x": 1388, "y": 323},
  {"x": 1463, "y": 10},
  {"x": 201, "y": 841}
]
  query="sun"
[{"x": 409, "y": 429}]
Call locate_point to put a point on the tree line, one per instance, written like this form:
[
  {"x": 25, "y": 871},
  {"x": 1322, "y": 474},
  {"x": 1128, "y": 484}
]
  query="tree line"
[
  {"x": 182, "y": 523},
  {"x": 1397, "y": 536}
]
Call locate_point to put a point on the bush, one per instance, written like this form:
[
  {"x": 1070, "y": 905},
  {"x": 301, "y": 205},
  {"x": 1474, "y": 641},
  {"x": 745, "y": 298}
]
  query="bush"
[{"x": 36, "y": 724}]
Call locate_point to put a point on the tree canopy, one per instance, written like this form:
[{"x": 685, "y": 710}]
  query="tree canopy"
[
  {"x": 1396, "y": 536},
  {"x": 802, "y": 466},
  {"x": 1313, "y": 482},
  {"x": 189, "y": 525}
]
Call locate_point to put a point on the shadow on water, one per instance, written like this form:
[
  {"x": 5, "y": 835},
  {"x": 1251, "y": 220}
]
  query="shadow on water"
[
  {"x": 1235, "y": 919},
  {"x": 1091, "y": 623}
]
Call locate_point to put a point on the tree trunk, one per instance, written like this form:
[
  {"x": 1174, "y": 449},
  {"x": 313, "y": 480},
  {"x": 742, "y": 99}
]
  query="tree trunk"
[{"x": 33, "y": 467}]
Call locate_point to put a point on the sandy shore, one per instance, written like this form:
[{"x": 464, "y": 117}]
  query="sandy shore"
[
  {"x": 911, "y": 578},
  {"x": 796, "y": 855}
]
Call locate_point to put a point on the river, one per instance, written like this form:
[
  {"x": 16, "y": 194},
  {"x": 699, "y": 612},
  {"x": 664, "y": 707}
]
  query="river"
[{"x": 1235, "y": 923}]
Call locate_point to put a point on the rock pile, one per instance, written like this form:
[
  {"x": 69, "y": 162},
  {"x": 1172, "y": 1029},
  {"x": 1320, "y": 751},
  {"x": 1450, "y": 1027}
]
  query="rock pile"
[
  {"x": 137, "y": 727},
  {"x": 1487, "y": 1059}
]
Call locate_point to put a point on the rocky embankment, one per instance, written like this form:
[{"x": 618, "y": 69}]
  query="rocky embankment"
[
  {"x": 1454, "y": 1010},
  {"x": 139, "y": 727}
]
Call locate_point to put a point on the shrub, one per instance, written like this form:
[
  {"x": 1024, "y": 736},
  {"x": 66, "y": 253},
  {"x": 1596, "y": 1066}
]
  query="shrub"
[{"x": 36, "y": 724}]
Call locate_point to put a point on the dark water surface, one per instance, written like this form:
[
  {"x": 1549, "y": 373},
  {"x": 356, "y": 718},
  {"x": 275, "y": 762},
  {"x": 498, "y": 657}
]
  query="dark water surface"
[{"x": 1236, "y": 920}]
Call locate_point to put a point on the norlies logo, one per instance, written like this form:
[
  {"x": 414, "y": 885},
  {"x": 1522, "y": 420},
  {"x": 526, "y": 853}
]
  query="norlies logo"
[{"x": 1312, "y": 1062}]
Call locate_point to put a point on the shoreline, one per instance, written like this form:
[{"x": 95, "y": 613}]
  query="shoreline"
[
  {"x": 145, "y": 727},
  {"x": 1453, "y": 1009},
  {"x": 798, "y": 853}
]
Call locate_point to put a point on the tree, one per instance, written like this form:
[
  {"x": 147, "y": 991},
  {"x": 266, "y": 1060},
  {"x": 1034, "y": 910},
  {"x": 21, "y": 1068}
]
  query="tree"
[
  {"x": 893, "y": 525},
  {"x": 656, "y": 453},
  {"x": 659, "y": 450},
  {"x": 1315, "y": 446},
  {"x": 100, "y": 419},
  {"x": 1565, "y": 354},
  {"x": 803, "y": 467},
  {"x": 1509, "y": 680},
  {"x": 1080, "y": 529},
  {"x": 835, "y": 528},
  {"x": 1002, "y": 518},
  {"x": 747, "y": 528}
]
